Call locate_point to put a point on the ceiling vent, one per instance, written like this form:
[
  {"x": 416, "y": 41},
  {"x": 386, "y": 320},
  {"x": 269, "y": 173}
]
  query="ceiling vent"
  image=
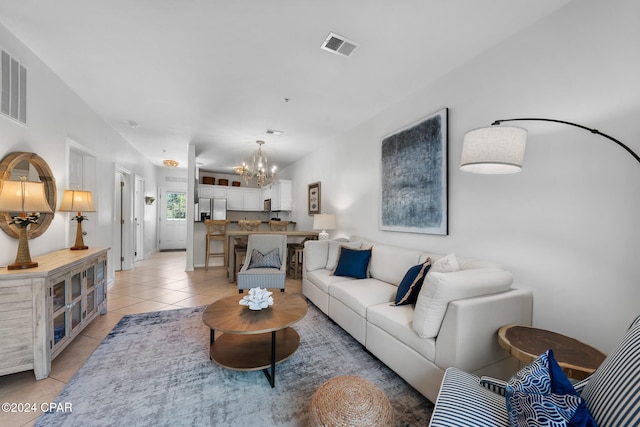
[{"x": 339, "y": 45}]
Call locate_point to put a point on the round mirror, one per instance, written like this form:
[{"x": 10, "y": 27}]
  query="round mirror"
[{"x": 18, "y": 164}]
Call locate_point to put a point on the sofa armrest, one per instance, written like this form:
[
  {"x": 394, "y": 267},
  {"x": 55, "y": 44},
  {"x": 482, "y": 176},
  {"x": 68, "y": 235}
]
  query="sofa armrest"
[
  {"x": 468, "y": 337},
  {"x": 315, "y": 256}
]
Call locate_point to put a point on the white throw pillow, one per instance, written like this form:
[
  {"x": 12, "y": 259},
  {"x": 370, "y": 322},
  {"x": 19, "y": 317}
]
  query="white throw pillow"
[
  {"x": 334, "y": 251},
  {"x": 446, "y": 264},
  {"x": 441, "y": 288}
]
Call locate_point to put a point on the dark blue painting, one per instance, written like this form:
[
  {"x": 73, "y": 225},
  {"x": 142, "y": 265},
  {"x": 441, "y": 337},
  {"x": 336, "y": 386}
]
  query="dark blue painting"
[{"x": 414, "y": 178}]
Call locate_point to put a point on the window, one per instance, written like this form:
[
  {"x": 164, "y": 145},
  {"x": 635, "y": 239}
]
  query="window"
[{"x": 176, "y": 206}]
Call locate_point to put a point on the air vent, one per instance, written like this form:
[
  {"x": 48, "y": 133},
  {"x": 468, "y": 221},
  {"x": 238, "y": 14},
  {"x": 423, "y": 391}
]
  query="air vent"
[
  {"x": 339, "y": 45},
  {"x": 13, "y": 101}
]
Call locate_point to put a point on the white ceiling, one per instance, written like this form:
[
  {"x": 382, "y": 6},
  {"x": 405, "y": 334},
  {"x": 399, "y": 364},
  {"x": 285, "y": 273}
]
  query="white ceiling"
[{"x": 216, "y": 73}]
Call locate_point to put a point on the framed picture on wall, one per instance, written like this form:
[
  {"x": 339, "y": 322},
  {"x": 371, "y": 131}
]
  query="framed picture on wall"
[
  {"x": 314, "y": 198},
  {"x": 413, "y": 191}
]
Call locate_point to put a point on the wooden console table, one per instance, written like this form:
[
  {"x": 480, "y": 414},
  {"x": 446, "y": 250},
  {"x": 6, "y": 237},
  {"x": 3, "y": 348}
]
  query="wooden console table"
[
  {"x": 43, "y": 309},
  {"x": 577, "y": 359}
]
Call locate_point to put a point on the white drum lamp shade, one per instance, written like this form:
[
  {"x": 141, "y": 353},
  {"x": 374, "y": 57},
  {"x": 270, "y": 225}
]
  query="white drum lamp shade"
[
  {"x": 324, "y": 222},
  {"x": 493, "y": 150}
]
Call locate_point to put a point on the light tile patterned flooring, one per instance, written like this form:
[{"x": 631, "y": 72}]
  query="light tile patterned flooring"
[{"x": 158, "y": 283}]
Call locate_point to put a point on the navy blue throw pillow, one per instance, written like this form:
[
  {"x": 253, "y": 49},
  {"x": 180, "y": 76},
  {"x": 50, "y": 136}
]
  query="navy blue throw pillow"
[
  {"x": 353, "y": 263},
  {"x": 411, "y": 284}
]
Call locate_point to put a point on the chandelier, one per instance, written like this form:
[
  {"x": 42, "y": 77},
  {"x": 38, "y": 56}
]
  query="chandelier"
[{"x": 258, "y": 170}]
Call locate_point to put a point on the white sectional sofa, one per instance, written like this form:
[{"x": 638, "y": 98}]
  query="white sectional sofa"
[{"x": 456, "y": 323}]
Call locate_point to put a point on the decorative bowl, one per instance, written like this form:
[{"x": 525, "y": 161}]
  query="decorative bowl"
[{"x": 257, "y": 299}]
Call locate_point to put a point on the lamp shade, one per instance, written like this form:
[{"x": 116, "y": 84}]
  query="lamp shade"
[
  {"x": 493, "y": 150},
  {"x": 77, "y": 201},
  {"x": 23, "y": 196},
  {"x": 324, "y": 222}
]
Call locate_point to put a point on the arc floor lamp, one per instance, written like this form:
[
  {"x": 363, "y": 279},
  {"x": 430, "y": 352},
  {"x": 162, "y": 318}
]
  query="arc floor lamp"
[{"x": 500, "y": 149}]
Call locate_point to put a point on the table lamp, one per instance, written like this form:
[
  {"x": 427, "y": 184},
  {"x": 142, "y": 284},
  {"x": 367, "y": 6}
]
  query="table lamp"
[
  {"x": 324, "y": 222},
  {"x": 25, "y": 197},
  {"x": 77, "y": 201}
]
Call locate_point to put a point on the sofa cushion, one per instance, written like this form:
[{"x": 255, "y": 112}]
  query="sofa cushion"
[
  {"x": 411, "y": 283},
  {"x": 397, "y": 321},
  {"x": 353, "y": 263},
  {"x": 334, "y": 251},
  {"x": 441, "y": 288},
  {"x": 390, "y": 263},
  {"x": 542, "y": 391},
  {"x": 463, "y": 402},
  {"x": 323, "y": 279},
  {"x": 269, "y": 260},
  {"x": 362, "y": 293}
]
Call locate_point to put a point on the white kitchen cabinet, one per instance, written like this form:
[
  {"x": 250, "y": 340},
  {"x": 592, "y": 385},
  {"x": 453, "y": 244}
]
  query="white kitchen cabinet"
[
  {"x": 205, "y": 191},
  {"x": 252, "y": 201},
  {"x": 281, "y": 195},
  {"x": 235, "y": 199}
]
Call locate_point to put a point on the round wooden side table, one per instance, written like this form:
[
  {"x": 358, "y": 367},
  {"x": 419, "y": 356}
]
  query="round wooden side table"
[{"x": 577, "y": 359}]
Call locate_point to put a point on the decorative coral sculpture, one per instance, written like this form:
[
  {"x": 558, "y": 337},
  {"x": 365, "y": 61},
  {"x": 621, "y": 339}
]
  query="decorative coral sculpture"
[{"x": 257, "y": 299}]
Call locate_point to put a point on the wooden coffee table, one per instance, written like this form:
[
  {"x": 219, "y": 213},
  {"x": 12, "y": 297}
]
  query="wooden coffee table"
[
  {"x": 577, "y": 359},
  {"x": 249, "y": 338}
]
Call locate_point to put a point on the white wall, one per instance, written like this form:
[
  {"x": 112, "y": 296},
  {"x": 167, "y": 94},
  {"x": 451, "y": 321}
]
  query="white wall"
[
  {"x": 566, "y": 226},
  {"x": 54, "y": 114}
]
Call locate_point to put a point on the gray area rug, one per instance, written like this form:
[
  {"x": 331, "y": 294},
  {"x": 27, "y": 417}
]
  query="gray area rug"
[{"x": 153, "y": 369}]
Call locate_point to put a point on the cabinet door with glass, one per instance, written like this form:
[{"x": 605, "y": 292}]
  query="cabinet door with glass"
[
  {"x": 59, "y": 295},
  {"x": 68, "y": 294},
  {"x": 96, "y": 282}
]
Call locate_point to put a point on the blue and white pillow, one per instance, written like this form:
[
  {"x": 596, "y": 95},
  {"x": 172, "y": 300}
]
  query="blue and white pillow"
[
  {"x": 540, "y": 394},
  {"x": 411, "y": 284},
  {"x": 269, "y": 260}
]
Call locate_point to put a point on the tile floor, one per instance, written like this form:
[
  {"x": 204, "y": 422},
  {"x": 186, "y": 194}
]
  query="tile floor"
[{"x": 158, "y": 283}]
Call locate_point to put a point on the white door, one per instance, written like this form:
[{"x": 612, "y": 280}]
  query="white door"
[
  {"x": 173, "y": 219},
  {"x": 138, "y": 218}
]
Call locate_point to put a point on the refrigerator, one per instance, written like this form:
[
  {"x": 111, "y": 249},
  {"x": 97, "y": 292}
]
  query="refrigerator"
[{"x": 212, "y": 209}]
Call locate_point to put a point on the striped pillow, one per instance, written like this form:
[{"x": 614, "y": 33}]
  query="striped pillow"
[{"x": 613, "y": 391}]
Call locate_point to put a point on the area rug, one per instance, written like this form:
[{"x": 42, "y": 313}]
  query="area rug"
[{"x": 153, "y": 369}]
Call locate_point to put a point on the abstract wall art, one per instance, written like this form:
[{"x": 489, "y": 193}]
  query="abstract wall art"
[{"x": 413, "y": 192}]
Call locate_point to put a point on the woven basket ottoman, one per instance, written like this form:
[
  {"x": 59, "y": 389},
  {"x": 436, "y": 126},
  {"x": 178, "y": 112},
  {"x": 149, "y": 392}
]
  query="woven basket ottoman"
[{"x": 349, "y": 401}]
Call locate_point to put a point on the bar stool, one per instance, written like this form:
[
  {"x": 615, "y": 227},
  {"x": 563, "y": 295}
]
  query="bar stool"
[
  {"x": 240, "y": 247},
  {"x": 295, "y": 252},
  {"x": 278, "y": 225},
  {"x": 216, "y": 230}
]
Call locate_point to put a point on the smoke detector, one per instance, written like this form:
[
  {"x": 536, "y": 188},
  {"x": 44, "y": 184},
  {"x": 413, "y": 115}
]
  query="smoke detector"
[{"x": 339, "y": 45}]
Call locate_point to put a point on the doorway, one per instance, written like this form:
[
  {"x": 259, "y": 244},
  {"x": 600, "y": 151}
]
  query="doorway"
[
  {"x": 123, "y": 230},
  {"x": 173, "y": 219}
]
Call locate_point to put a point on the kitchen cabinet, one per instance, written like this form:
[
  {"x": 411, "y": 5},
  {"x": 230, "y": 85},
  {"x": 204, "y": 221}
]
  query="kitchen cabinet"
[
  {"x": 206, "y": 191},
  {"x": 281, "y": 195},
  {"x": 243, "y": 199}
]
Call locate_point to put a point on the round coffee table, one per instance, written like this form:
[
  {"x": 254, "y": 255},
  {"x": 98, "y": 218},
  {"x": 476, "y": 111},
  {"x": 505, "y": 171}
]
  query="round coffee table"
[
  {"x": 249, "y": 338},
  {"x": 577, "y": 359}
]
